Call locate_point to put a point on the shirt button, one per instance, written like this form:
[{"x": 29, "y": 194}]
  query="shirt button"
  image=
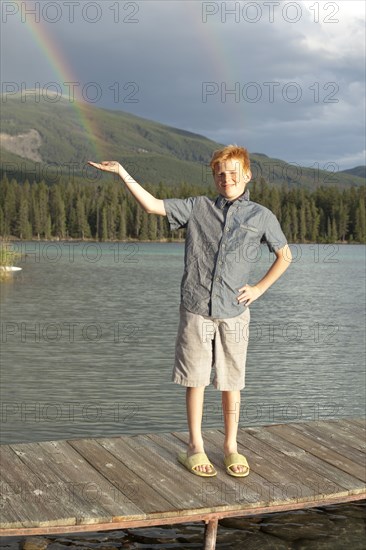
[
  {"x": 223, "y": 246},
  {"x": 217, "y": 278},
  {"x": 220, "y": 262},
  {"x": 227, "y": 228}
]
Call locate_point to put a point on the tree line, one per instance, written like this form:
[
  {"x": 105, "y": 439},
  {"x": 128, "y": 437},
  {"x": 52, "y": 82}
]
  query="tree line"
[{"x": 107, "y": 211}]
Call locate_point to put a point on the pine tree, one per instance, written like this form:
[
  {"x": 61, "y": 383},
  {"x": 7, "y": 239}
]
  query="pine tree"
[
  {"x": 315, "y": 222},
  {"x": 137, "y": 216},
  {"x": 10, "y": 208},
  {"x": 104, "y": 236},
  {"x": 334, "y": 231},
  {"x": 2, "y": 223},
  {"x": 68, "y": 194},
  {"x": 111, "y": 221},
  {"x": 58, "y": 215},
  {"x": 275, "y": 202},
  {"x": 48, "y": 228},
  {"x": 286, "y": 223},
  {"x": 332, "y": 234},
  {"x": 144, "y": 228},
  {"x": 77, "y": 223},
  {"x": 152, "y": 227},
  {"x": 42, "y": 199},
  {"x": 23, "y": 226},
  {"x": 121, "y": 224},
  {"x": 343, "y": 220},
  {"x": 360, "y": 226},
  {"x": 4, "y": 185},
  {"x": 294, "y": 222},
  {"x": 302, "y": 227},
  {"x": 161, "y": 232},
  {"x": 34, "y": 212}
]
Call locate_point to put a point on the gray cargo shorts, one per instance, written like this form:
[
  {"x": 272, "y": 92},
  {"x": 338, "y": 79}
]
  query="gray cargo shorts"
[{"x": 204, "y": 342}]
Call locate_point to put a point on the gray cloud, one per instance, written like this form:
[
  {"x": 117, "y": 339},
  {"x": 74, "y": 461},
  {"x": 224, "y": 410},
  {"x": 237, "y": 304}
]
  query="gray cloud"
[{"x": 170, "y": 53}]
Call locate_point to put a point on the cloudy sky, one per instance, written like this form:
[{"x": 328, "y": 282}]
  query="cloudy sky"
[{"x": 282, "y": 78}]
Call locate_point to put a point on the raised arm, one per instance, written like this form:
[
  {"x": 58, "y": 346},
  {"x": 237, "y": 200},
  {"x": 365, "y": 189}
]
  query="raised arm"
[{"x": 150, "y": 204}]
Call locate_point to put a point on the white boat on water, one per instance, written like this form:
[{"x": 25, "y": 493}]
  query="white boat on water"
[{"x": 9, "y": 268}]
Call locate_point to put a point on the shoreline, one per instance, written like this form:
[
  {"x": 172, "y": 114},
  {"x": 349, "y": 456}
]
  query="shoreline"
[{"x": 166, "y": 240}]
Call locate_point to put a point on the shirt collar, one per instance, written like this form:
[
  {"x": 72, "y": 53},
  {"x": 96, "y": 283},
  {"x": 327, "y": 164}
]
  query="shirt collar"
[{"x": 222, "y": 201}]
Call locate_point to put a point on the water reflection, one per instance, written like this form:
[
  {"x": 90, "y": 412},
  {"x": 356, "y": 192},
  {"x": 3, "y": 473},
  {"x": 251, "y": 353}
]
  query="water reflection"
[{"x": 88, "y": 337}]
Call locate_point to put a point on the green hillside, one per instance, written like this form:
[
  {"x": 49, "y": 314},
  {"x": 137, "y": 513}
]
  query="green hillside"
[
  {"x": 150, "y": 151},
  {"x": 359, "y": 171}
]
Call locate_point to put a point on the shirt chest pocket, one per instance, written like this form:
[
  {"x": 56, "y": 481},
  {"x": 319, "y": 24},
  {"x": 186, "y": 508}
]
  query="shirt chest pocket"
[
  {"x": 249, "y": 234},
  {"x": 250, "y": 228},
  {"x": 245, "y": 234}
]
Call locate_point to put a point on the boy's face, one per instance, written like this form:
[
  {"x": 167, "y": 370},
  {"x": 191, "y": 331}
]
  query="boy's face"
[{"x": 230, "y": 178}]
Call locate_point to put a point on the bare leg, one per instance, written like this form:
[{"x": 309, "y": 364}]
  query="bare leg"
[
  {"x": 231, "y": 410},
  {"x": 194, "y": 402}
]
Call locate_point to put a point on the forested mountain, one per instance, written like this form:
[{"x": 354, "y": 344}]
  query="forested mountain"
[
  {"x": 46, "y": 192},
  {"x": 49, "y": 140},
  {"x": 359, "y": 171}
]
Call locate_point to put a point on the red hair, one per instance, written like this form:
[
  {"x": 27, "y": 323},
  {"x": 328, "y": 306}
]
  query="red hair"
[{"x": 231, "y": 152}]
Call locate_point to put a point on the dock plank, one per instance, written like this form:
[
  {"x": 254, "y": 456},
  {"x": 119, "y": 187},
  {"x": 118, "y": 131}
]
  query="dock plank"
[
  {"x": 162, "y": 469},
  {"x": 264, "y": 464},
  {"x": 336, "y": 459},
  {"x": 192, "y": 488},
  {"x": 355, "y": 428},
  {"x": 76, "y": 483},
  {"x": 119, "y": 469},
  {"x": 273, "y": 481},
  {"x": 138, "y": 481},
  {"x": 215, "y": 492},
  {"x": 160, "y": 474},
  {"x": 310, "y": 482},
  {"x": 222, "y": 490},
  {"x": 328, "y": 473},
  {"x": 349, "y": 436},
  {"x": 233, "y": 487},
  {"x": 14, "y": 512},
  {"x": 29, "y": 494},
  {"x": 357, "y": 421},
  {"x": 332, "y": 440}
]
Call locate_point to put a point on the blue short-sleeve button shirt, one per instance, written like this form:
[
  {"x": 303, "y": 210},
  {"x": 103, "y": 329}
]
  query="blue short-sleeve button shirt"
[{"x": 222, "y": 238}]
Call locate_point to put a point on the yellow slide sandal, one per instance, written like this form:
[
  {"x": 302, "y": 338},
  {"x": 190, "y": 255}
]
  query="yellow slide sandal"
[
  {"x": 198, "y": 459},
  {"x": 236, "y": 459}
]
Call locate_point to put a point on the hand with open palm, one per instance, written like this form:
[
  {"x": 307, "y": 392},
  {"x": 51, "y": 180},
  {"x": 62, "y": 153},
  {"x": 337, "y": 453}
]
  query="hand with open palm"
[{"x": 107, "y": 166}]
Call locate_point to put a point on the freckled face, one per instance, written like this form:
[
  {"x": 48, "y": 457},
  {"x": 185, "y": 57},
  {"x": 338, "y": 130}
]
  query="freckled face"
[{"x": 230, "y": 178}]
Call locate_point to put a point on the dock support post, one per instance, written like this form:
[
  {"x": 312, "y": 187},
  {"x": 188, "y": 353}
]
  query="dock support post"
[{"x": 210, "y": 534}]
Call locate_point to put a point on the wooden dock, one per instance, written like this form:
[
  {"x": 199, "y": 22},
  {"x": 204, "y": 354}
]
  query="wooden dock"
[{"x": 100, "y": 484}]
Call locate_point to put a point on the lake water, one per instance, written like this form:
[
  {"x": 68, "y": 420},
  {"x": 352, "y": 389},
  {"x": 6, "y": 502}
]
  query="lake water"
[{"x": 88, "y": 333}]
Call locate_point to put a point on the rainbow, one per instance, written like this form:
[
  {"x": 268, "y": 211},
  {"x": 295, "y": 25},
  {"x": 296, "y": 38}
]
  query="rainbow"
[
  {"x": 219, "y": 52},
  {"x": 53, "y": 53}
]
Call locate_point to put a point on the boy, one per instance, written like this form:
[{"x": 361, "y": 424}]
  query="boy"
[{"x": 215, "y": 295}]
